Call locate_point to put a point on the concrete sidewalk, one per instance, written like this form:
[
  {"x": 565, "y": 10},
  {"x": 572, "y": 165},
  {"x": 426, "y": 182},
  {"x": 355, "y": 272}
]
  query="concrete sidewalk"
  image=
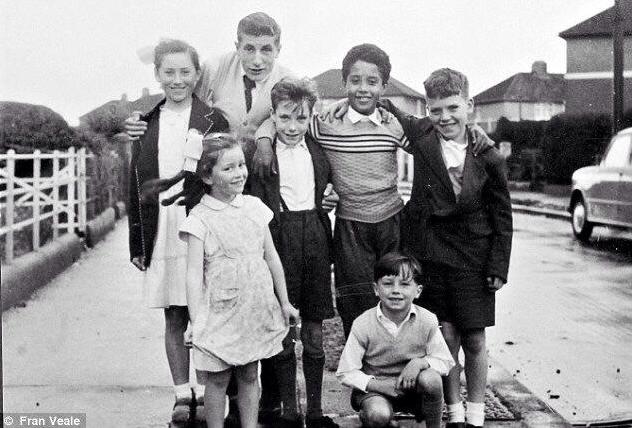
[{"x": 86, "y": 344}]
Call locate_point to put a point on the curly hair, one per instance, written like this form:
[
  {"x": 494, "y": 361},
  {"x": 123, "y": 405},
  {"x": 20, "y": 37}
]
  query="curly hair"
[{"x": 370, "y": 53}]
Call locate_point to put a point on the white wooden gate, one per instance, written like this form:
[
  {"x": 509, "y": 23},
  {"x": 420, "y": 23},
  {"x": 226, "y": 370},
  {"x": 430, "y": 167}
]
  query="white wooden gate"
[{"x": 63, "y": 190}]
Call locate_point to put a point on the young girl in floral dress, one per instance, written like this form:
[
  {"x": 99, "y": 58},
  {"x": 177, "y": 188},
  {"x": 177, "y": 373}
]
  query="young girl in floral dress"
[{"x": 235, "y": 284}]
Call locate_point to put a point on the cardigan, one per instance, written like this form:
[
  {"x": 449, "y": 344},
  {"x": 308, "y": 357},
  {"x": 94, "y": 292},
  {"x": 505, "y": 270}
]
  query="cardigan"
[{"x": 143, "y": 215}]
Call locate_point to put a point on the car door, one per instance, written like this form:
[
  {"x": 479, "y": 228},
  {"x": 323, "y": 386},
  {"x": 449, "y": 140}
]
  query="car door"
[
  {"x": 625, "y": 187},
  {"x": 603, "y": 195}
]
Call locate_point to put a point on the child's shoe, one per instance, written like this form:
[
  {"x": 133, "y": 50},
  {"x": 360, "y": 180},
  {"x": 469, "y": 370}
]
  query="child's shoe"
[
  {"x": 181, "y": 412},
  {"x": 295, "y": 421},
  {"x": 320, "y": 422},
  {"x": 269, "y": 416}
]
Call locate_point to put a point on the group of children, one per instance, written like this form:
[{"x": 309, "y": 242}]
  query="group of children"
[{"x": 255, "y": 251}]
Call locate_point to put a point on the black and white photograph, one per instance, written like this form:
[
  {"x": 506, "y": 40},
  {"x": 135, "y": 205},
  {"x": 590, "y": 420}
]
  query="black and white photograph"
[{"x": 316, "y": 214}]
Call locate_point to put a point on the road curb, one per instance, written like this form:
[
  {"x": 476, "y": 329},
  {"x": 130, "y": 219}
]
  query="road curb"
[
  {"x": 34, "y": 270},
  {"x": 546, "y": 212},
  {"x": 531, "y": 411}
]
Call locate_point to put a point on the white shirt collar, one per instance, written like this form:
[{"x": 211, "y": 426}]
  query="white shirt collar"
[
  {"x": 355, "y": 117},
  {"x": 381, "y": 316},
  {"x": 217, "y": 205},
  {"x": 454, "y": 144},
  {"x": 281, "y": 146}
]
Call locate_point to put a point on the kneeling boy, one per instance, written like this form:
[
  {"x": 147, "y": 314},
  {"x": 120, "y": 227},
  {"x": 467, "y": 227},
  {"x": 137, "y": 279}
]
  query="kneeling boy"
[
  {"x": 301, "y": 231},
  {"x": 395, "y": 355}
]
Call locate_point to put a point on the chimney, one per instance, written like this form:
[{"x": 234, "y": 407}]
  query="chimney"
[
  {"x": 145, "y": 93},
  {"x": 539, "y": 68},
  {"x": 124, "y": 97}
]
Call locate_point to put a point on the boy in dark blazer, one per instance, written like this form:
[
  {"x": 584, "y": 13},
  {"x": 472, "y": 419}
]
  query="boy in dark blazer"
[
  {"x": 458, "y": 222},
  {"x": 301, "y": 231}
]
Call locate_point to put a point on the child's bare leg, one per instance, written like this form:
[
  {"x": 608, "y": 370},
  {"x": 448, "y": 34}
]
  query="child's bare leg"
[
  {"x": 475, "y": 374},
  {"x": 176, "y": 321},
  {"x": 475, "y": 364},
  {"x": 452, "y": 382},
  {"x": 248, "y": 396},
  {"x": 429, "y": 385},
  {"x": 376, "y": 412},
  {"x": 215, "y": 397}
]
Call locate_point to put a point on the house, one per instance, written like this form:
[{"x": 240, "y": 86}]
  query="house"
[
  {"x": 537, "y": 95},
  {"x": 331, "y": 88},
  {"x": 122, "y": 108},
  {"x": 589, "y": 62}
]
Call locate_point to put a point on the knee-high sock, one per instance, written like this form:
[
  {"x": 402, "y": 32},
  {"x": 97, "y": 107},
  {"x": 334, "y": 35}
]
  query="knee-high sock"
[
  {"x": 285, "y": 369},
  {"x": 313, "y": 371}
]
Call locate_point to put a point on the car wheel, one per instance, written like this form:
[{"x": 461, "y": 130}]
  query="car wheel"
[{"x": 582, "y": 228}]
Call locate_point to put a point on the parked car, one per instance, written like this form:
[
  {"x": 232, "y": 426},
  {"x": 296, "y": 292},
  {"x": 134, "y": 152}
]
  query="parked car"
[{"x": 602, "y": 195}]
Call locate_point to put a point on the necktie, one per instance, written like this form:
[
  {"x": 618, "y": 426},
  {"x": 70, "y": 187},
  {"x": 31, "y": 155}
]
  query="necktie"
[{"x": 249, "y": 85}]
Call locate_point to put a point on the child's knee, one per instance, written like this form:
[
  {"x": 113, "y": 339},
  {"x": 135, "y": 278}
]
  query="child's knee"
[
  {"x": 248, "y": 373},
  {"x": 474, "y": 341},
  {"x": 217, "y": 379},
  {"x": 312, "y": 339},
  {"x": 376, "y": 413},
  {"x": 429, "y": 384}
]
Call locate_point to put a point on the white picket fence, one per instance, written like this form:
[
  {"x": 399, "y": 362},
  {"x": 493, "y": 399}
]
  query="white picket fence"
[{"x": 63, "y": 191}]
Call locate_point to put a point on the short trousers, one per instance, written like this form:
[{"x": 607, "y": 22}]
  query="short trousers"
[
  {"x": 304, "y": 251},
  {"x": 409, "y": 403},
  {"x": 357, "y": 247},
  {"x": 457, "y": 296}
]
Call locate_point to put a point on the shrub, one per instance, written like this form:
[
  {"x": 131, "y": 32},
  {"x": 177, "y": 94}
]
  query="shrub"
[
  {"x": 26, "y": 127},
  {"x": 571, "y": 142},
  {"x": 107, "y": 120},
  {"x": 525, "y": 137}
]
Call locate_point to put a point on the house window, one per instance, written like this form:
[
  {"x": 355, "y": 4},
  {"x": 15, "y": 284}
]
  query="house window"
[{"x": 541, "y": 112}]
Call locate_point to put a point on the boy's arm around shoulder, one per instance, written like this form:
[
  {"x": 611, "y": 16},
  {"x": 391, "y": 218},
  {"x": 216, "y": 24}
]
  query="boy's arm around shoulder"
[
  {"x": 498, "y": 203},
  {"x": 413, "y": 126}
]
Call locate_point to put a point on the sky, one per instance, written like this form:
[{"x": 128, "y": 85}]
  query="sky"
[{"x": 74, "y": 55}]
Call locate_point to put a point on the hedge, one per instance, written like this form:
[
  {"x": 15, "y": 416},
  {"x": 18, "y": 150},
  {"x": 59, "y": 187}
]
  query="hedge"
[
  {"x": 27, "y": 127},
  {"x": 552, "y": 150}
]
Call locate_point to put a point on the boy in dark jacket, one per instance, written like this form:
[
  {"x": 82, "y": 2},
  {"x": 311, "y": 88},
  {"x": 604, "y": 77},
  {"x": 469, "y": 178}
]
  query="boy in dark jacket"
[{"x": 301, "y": 230}]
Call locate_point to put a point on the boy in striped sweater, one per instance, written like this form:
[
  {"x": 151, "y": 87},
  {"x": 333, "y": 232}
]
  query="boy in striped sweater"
[{"x": 362, "y": 149}]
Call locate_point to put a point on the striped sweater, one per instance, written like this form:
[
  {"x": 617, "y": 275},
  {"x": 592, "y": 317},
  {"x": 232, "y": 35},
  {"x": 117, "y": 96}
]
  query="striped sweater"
[{"x": 363, "y": 158}]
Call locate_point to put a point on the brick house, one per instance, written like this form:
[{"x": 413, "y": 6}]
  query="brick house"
[{"x": 589, "y": 62}]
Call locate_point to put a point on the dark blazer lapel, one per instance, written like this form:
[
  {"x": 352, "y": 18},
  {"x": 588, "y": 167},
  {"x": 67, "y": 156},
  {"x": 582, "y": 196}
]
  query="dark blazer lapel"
[
  {"x": 320, "y": 173},
  {"x": 473, "y": 175},
  {"x": 431, "y": 149},
  {"x": 200, "y": 116}
]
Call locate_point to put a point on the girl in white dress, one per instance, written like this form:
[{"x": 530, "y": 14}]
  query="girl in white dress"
[
  {"x": 235, "y": 284},
  {"x": 154, "y": 245}
]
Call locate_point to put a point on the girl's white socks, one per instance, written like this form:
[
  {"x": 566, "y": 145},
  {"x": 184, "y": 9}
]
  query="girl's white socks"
[
  {"x": 456, "y": 412},
  {"x": 182, "y": 391},
  {"x": 199, "y": 391},
  {"x": 475, "y": 413}
]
